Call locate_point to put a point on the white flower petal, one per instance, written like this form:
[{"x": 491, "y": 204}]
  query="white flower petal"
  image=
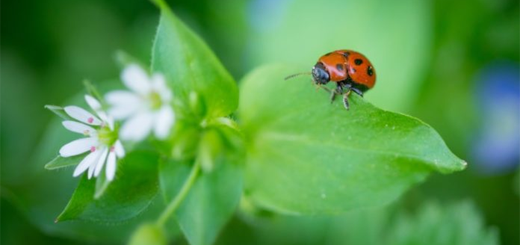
[
  {"x": 158, "y": 82},
  {"x": 119, "y": 149},
  {"x": 159, "y": 86},
  {"x": 91, "y": 168},
  {"x": 82, "y": 115},
  {"x": 85, "y": 163},
  {"x": 79, "y": 128},
  {"x": 136, "y": 79},
  {"x": 93, "y": 103},
  {"x": 111, "y": 166},
  {"x": 78, "y": 146},
  {"x": 110, "y": 122},
  {"x": 121, "y": 97},
  {"x": 164, "y": 120},
  {"x": 123, "y": 103},
  {"x": 101, "y": 161},
  {"x": 137, "y": 127},
  {"x": 102, "y": 115}
]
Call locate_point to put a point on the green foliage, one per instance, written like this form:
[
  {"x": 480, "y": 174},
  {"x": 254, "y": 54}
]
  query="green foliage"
[
  {"x": 207, "y": 90},
  {"x": 433, "y": 223},
  {"x": 308, "y": 156},
  {"x": 304, "y": 155},
  {"x": 210, "y": 203},
  {"x": 191, "y": 67},
  {"x": 456, "y": 224},
  {"x": 127, "y": 196}
]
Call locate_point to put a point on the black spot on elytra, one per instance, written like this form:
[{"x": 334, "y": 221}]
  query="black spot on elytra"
[
  {"x": 346, "y": 54},
  {"x": 370, "y": 71},
  {"x": 358, "y": 61},
  {"x": 339, "y": 67}
]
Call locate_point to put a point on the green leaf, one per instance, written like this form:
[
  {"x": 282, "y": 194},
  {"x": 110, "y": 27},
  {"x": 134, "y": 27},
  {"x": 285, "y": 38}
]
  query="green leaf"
[
  {"x": 456, "y": 224},
  {"x": 306, "y": 155},
  {"x": 58, "y": 110},
  {"x": 209, "y": 204},
  {"x": 190, "y": 66},
  {"x": 61, "y": 162},
  {"x": 127, "y": 195}
]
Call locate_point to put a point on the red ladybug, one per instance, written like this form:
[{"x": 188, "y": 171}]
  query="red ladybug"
[{"x": 350, "y": 70}]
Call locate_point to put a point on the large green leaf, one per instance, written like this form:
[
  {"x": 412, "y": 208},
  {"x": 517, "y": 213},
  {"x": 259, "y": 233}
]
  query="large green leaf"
[
  {"x": 308, "y": 156},
  {"x": 128, "y": 195},
  {"x": 190, "y": 66},
  {"x": 210, "y": 203}
]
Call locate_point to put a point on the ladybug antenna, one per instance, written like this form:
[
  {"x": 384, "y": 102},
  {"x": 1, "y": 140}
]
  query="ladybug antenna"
[{"x": 297, "y": 74}]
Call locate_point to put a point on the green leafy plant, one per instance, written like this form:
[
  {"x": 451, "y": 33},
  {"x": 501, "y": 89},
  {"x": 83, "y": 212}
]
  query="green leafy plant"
[
  {"x": 288, "y": 151},
  {"x": 432, "y": 223}
]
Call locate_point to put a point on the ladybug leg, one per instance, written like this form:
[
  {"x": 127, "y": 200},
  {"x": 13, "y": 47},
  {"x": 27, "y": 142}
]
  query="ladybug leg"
[
  {"x": 348, "y": 88},
  {"x": 332, "y": 96},
  {"x": 336, "y": 91},
  {"x": 357, "y": 91},
  {"x": 345, "y": 99}
]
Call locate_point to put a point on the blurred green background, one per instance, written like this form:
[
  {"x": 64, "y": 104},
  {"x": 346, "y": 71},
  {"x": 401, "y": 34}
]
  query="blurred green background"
[{"x": 453, "y": 64}]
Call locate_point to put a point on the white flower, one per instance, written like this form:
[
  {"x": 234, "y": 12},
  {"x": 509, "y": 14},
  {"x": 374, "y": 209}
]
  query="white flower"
[
  {"x": 101, "y": 140},
  {"x": 146, "y": 106}
]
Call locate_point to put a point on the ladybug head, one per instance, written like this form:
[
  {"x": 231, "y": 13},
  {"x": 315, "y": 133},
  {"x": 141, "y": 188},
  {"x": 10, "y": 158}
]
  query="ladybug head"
[{"x": 320, "y": 74}]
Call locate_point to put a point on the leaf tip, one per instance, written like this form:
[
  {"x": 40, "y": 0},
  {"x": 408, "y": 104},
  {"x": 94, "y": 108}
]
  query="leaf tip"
[
  {"x": 464, "y": 163},
  {"x": 52, "y": 107},
  {"x": 99, "y": 192},
  {"x": 64, "y": 216},
  {"x": 59, "y": 219}
]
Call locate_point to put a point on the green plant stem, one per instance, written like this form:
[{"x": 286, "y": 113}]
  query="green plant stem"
[{"x": 174, "y": 204}]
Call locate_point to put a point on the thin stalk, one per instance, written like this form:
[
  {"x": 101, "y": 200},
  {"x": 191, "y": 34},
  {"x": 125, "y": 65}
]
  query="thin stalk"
[{"x": 174, "y": 204}]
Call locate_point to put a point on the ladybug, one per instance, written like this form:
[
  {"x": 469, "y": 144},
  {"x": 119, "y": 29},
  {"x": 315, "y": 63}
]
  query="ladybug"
[{"x": 350, "y": 70}]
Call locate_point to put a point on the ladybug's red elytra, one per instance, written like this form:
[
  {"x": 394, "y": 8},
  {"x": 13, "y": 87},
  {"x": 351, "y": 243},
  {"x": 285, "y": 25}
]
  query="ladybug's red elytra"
[{"x": 350, "y": 70}]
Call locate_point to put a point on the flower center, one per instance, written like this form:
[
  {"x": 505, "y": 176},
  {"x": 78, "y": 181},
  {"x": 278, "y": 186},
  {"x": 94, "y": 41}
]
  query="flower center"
[
  {"x": 106, "y": 136},
  {"x": 155, "y": 100}
]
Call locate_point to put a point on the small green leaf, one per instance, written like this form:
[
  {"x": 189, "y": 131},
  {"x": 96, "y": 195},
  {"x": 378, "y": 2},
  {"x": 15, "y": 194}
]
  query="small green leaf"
[
  {"x": 149, "y": 234},
  {"x": 58, "y": 110},
  {"x": 92, "y": 90},
  {"x": 209, "y": 204},
  {"x": 61, "y": 162},
  {"x": 190, "y": 66},
  {"x": 128, "y": 195},
  {"x": 306, "y": 155}
]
